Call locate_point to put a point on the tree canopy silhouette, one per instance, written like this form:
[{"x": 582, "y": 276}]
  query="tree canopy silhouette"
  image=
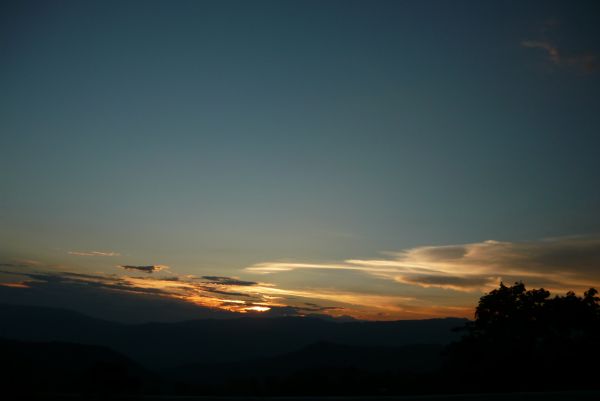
[{"x": 525, "y": 339}]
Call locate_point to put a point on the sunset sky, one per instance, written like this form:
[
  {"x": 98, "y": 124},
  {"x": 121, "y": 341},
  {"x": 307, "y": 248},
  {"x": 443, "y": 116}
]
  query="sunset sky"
[{"x": 374, "y": 159}]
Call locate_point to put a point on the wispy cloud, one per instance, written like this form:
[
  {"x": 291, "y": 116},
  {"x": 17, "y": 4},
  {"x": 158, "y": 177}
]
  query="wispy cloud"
[
  {"x": 551, "y": 50},
  {"x": 449, "y": 282},
  {"x": 145, "y": 269},
  {"x": 571, "y": 53},
  {"x": 426, "y": 281},
  {"x": 220, "y": 280},
  {"x": 21, "y": 263},
  {"x": 93, "y": 253},
  {"x": 560, "y": 263},
  {"x": 587, "y": 62},
  {"x": 235, "y": 295}
]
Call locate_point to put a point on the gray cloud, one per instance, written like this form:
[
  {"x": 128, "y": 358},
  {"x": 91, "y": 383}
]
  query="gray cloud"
[
  {"x": 20, "y": 263},
  {"x": 108, "y": 302},
  {"x": 204, "y": 294},
  {"x": 12, "y": 265},
  {"x": 86, "y": 280},
  {"x": 223, "y": 292},
  {"x": 145, "y": 269},
  {"x": 278, "y": 311},
  {"x": 446, "y": 253},
  {"x": 449, "y": 282},
  {"x": 93, "y": 253},
  {"x": 220, "y": 280}
]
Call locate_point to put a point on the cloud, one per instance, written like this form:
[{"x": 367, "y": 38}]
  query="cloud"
[
  {"x": 559, "y": 263},
  {"x": 552, "y": 51},
  {"x": 171, "y": 278},
  {"x": 7, "y": 264},
  {"x": 108, "y": 303},
  {"x": 93, "y": 253},
  {"x": 278, "y": 311},
  {"x": 87, "y": 280},
  {"x": 420, "y": 282},
  {"x": 586, "y": 62},
  {"x": 217, "y": 293},
  {"x": 222, "y": 292},
  {"x": 145, "y": 269},
  {"x": 26, "y": 263},
  {"x": 220, "y": 280},
  {"x": 15, "y": 285},
  {"x": 198, "y": 294},
  {"x": 448, "y": 282},
  {"x": 225, "y": 294}
]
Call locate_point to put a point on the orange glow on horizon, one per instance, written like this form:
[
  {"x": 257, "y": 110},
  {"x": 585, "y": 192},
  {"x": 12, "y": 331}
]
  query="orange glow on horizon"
[
  {"x": 15, "y": 285},
  {"x": 260, "y": 297}
]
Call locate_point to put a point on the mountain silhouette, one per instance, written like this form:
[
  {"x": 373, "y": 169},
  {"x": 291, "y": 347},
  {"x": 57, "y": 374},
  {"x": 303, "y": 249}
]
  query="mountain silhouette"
[
  {"x": 321, "y": 355},
  {"x": 167, "y": 345},
  {"x": 320, "y": 368},
  {"x": 56, "y": 367}
]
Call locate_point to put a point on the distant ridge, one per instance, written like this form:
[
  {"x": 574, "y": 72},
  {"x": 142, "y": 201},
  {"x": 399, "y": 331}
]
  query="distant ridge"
[{"x": 163, "y": 345}]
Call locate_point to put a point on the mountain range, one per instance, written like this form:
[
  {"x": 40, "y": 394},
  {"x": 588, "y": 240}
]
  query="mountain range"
[{"x": 216, "y": 341}]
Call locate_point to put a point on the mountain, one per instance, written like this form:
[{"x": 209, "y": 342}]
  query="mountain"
[
  {"x": 55, "y": 367},
  {"x": 320, "y": 368},
  {"x": 321, "y": 355},
  {"x": 209, "y": 341}
]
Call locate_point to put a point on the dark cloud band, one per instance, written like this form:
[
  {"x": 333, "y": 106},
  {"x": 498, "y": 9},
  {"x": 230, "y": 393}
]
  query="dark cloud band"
[{"x": 145, "y": 269}]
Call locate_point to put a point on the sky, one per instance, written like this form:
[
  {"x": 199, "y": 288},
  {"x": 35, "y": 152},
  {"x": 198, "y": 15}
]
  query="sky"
[{"x": 375, "y": 159}]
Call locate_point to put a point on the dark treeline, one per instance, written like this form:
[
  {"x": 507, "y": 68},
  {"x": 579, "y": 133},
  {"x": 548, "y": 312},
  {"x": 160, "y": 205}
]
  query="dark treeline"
[
  {"x": 527, "y": 340},
  {"x": 520, "y": 340}
]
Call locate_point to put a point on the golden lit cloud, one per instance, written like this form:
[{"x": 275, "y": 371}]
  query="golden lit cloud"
[
  {"x": 421, "y": 282},
  {"x": 559, "y": 263},
  {"x": 241, "y": 296}
]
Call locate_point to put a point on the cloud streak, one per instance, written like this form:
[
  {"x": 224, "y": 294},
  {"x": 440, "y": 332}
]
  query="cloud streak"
[
  {"x": 560, "y": 263},
  {"x": 145, "y": 269},
  {"x": 551, "y": 50},
  {"x": 420, "y": 282},
  {"x": 234, "y": 295},
  {"x": 93, "y": 253},
  {"x": 220, "y": 280},
  {"x": 587, "y": 61}
]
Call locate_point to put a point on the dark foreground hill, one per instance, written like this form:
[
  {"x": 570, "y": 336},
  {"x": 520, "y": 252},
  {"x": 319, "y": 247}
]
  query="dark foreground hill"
[
  {"x": 322, "y": 355},
  {"x": 55, "y": 367},
  {"x": 320, "y": 368},
  {"x": 164, "y": 345}
]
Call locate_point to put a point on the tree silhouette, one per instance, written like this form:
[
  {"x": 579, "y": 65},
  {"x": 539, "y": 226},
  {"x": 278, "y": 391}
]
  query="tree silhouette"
[{"x": 524, "y": 340}]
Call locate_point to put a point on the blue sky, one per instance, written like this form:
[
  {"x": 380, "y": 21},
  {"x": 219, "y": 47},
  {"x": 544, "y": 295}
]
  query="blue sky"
[{"x": 212, "y": 137}]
